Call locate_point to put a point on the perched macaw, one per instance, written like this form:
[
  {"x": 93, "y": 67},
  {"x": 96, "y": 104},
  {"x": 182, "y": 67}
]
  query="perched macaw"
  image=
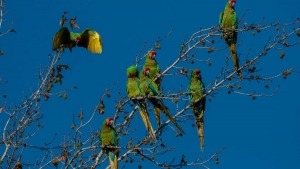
[
  {"x": 109, "y": 139},
  {"x": 88, "y": 39},
  {"x": 197, "y": 90},
  {"x": 151, "y": 63},
  {"x": 134, "y": 94},
  {"x": 228, "y": 22},
  {"x": 149, "y": 88}
]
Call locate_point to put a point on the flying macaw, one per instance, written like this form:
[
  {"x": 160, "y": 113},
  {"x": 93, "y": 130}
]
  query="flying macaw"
[
  {"x": 109, "y": 138},
  {"x": 134, "y": 94},
  {"x": 151, "y": 63},
  {"x": 228, "y": 22},
  {"x": 88, "y": 39},
  {"x": 197, "y": 90},
  {"x": 149, "y": 88}
]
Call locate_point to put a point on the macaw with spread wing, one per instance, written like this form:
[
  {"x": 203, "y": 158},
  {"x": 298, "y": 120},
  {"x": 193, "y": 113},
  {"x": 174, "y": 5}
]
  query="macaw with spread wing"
[
  {"x": 134, "y": 94},
  {"x": 197, "y": 90},
  {"x": 149, "y": 88},
  {"x": 228, "y": 22},
  {"x": 109, "y": 140},
  {"x": 89, "y": 39}
]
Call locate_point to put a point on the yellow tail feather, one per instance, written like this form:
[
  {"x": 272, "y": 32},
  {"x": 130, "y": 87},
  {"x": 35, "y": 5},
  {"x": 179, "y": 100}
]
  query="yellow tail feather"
[
  {"x": 157, "y": 115},
  {"x": 200, "y": 128},
  {"x": 147, "y": 123},
  {"x": 199, "y": 116},
  {"x": 167, "y": 113},
  {"x": 116, "y": 162},
  {"x": 235, "y": 59}
]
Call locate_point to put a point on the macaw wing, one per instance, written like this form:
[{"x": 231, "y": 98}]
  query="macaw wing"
[
  {"x": 62, "y": 37},
  {"x": 114, "y": 138},
  {"x": 221, "y": 18},
  {"x": 235, "y": 26},
  {"x": 91, "y": 40},
  {"x": 153, "y": 89}
]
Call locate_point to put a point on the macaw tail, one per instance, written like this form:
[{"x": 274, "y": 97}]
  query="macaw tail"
[
  {"x": 145, "y": 118},
  {"x": 199, "y": 115},
  {"x": 116, "y": 162},
  {"x": 164, "y": 109},
  {"x": 200, "y": 127},
  {"x": 235, "y": 59},
  {"x": 113, "y": 160},
  {"x": 157, "y": 116}
]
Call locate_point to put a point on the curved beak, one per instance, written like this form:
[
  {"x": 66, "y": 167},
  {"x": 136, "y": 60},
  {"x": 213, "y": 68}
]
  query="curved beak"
[{"x": 232, "y": 4}]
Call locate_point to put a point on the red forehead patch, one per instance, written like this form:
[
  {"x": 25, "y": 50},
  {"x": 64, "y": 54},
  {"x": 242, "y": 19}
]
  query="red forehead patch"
[
  {"x": 152, "y": 53},
  {"x": 146, "y": 69}
]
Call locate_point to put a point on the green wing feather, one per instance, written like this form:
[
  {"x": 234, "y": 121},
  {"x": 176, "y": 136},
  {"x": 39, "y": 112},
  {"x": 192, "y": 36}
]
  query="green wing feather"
[
  {"x": 91, "y": 40},
  {"x": 221, "y": 18},
  {"x": 62, "y": 39},
  {"x": 148, "y": 87}
]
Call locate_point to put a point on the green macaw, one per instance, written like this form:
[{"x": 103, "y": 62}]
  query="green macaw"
[
  {"x": 149, "y": 88},
  {"x": 89, "y": 39},
  {"x": 197, "y": 90},
  {"x": 134, "y": 94},
  {"x": 228, "y": 22},
  {"x": 109, "y": 139},
  {"x": 151, "y": 63}
]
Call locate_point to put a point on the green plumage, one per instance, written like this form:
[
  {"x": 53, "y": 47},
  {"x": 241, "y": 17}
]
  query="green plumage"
[
  {"x": 149, "y": 88},
  {"x": 228, "y": 21},
  {"x": 109, "y": 137},
  {"x": 133, "y": 92},
  {"x": 133, "y": 82},
  {"x": 197, "y": 91},
  {"x": 151, "y": 63},
  {"x": 88, "y": 39}
]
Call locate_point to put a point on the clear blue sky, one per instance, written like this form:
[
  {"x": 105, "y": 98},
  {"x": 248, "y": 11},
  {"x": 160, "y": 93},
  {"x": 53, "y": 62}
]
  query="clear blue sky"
[{"x": 263, "y": 133}]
